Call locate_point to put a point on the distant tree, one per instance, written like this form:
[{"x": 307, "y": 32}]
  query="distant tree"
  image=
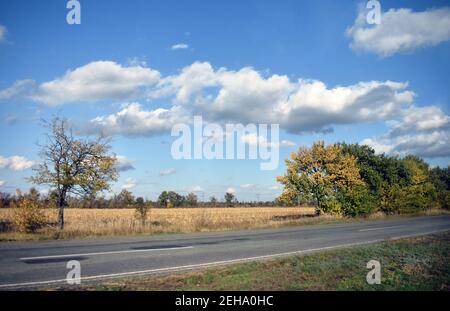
[
  {"x": 213, "y": 201},
  {"x": 191, "y": 199},
  {"x": 170, "y": 198},
  {"x": 163, "y": 199},
  {"x": 141, "y": 210},
  {"x": 73, "y": 165},
  {"x": 125, "y": 198},
  {"x": 320, "y": 172},
  {"x": 33, "y": 194},
  {"x": 175, "y": 199},
  {"x": 230, "y": 199},
  {"x": 5, "y": 199}
]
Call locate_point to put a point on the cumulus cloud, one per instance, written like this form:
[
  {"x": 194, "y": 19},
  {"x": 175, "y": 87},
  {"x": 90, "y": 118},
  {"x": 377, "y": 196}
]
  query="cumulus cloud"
[
  {"x": 230, "y": 190},
  {"x": 423, "y": 131},
  {"x": 246, "y": 96},
  {"x": 167, "y": 172},
  {"x": 123, "y": 164},
  {"x": 21, "y": 88},
  {"x": 15, "y": 163},
  {"x": 133, "y": 120},
  {"x": 248, "y": 186},
  {"x": 130, "y": 183},
  {"x": 253, "y": 139},
  {"x": 179, "y": 46},
  {"x": 99, "y": 80},
  {"x": 196, "y": 189},
  {"x": 2, "y": 182},
  {"x": 243, "y": 96},
  {"x": 401, "y": 30}
]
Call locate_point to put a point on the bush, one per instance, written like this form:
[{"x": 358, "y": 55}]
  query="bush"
[
  {"x": 28, "y": 215},
  {"x": 141, "y": 210},
  {"x": 331, "y": 206},
  {"x": 404, "y": 200},
  {"x": 358, "y": 201}
]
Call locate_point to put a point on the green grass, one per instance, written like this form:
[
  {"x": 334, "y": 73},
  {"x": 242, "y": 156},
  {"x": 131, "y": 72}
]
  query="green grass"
[{"x": 421, "y": 263}]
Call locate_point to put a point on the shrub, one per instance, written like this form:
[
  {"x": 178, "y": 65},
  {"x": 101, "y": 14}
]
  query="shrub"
[
  {"x": 358, "y": 201},
  {"x": 141, "y": 210},
  {"x": 332, "y": 206},
  {"x": 28, "y": 215}
]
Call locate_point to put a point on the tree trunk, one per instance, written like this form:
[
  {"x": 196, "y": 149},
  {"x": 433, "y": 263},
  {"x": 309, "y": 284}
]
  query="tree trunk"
[
  {"x": 318, "y": 210},
  {"x": 61, "y": 205},
  {"x": 61, "y": 217}
]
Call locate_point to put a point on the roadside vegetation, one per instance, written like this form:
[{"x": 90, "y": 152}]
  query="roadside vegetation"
[
  {"x": 352, "y": 180},
  {"x": 322, "y": 183},
  {"x": 409, "y": 264}
]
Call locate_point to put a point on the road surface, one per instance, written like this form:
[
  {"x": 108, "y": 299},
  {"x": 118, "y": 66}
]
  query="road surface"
[{"x": 31, "y": 264}]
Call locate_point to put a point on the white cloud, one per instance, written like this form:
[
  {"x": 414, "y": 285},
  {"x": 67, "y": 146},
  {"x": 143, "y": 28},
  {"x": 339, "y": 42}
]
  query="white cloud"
[
  {"x": 15, "y": 163},
  {"x": 21, "y": 88},
  {"x": 248, "y": 186},
  {"x": 258, "y": 140},
  {"x": 3, "y": 32},
  {"x": 179, "y": 46},
  {"x": 167, "y": 172},
  {"x": 423, "y": 131},
  {"x": 276, "y": 187},
  {"x": 130, "y": 183},
  {"x": 219, "y": 95},
  {"x": 401, "y": 30},
  {"x": 230, "y": 190},
  {"x": 2, "y": 182},
  {"x": 96, "y": 81},
  {"x": 123, "y": 164},
  {"x": 246, "y": 96},
  {"x": 132, "y": 120},
  {"x": 196, "y": 189},
  {"x": 243, "y": 96}
]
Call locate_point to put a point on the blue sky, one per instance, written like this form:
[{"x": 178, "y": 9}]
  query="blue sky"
[{"x": 384, "y": 85}]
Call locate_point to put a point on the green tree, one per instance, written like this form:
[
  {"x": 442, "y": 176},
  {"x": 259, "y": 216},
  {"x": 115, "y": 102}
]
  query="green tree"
[
  {"x": 170, "y": 198},
  {"x": 229, "y": 199},
  {"x": 74, "y": 165},
  {"x": 440, "y": 177},
  {"x": 141, "y": 210},
  {"x": 125, "y": 198},
  {"x": 213, "y": 201},
  {"x": 191, "y": 199}
]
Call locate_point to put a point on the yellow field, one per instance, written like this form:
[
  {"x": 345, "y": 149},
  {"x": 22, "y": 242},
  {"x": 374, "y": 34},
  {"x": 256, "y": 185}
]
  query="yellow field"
[{"x": 96, "y": 222}]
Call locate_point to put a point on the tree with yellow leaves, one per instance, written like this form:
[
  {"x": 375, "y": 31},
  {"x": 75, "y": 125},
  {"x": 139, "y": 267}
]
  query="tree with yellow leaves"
[{"x": 320, "y": 173}]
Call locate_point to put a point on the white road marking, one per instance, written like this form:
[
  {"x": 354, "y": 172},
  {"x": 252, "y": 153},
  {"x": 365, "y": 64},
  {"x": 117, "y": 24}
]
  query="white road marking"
[
  {"x": 380, "y": 228},
  {"x": 215, "y": 263},
  {"x": 106, "y": 253}
]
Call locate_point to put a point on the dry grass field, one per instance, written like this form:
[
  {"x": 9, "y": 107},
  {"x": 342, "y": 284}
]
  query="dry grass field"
[
  {"x": 107, "y": 222},
  {"x": 83, "y": 223}
]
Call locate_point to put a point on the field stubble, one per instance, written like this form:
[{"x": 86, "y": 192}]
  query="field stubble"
[{"x": 107, "y": 222}]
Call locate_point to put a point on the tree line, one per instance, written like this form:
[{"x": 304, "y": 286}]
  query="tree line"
[{"x": 352, "y": 180}]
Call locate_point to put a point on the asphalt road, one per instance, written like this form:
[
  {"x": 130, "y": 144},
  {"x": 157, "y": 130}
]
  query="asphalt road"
[{"x": 29, "y": 264}]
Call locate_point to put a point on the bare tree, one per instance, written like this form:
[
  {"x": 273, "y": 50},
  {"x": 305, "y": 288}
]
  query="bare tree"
[{"x": 71, "y": 165}]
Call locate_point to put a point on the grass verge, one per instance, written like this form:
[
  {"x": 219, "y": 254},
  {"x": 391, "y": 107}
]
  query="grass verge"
[{"x": 420, "y": 263}]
